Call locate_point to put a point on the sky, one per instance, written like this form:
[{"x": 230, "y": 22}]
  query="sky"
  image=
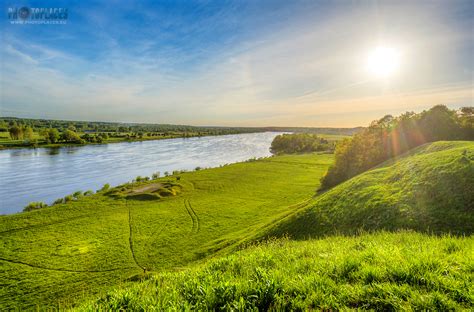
[{"x": 236, "y": 63}]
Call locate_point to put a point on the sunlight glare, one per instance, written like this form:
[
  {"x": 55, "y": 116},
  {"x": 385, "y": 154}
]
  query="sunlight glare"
[{"x": 383, "y": 61}]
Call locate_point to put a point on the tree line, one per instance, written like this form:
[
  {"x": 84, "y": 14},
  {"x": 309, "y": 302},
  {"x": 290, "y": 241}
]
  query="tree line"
[
  {"x": 296, "y": 143},
  {"x": 391, "y": 136}
]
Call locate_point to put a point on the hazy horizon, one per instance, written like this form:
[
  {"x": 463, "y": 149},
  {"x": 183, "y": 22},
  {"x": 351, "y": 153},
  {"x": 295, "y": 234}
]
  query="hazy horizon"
[{"x": 276, "y": 63}]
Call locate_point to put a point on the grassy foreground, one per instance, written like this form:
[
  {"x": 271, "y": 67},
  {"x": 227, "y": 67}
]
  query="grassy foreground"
[
  {"x": 384, "y": 271},
  {"x": 57, "y": 256}
]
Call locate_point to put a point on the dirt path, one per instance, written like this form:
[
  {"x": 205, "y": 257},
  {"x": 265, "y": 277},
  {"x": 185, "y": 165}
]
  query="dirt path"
[
  {"x": 130, "y": 238},
  {"x": 194, "y": 217}
]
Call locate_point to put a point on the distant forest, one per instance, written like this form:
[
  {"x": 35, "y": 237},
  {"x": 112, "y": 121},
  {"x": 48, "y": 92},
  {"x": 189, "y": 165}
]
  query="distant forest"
[{"x": 20, "y": 132}]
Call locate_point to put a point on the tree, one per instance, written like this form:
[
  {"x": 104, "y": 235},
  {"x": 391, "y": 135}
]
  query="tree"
[
  {"x": 298, "y": 143},
  {"x": 28, "y": 133},
  {"x": 466, "y": 119},
  {"x": 51, "y": 135},
  {"x": 69, "y": 136},
  {"x": 388, "y": 137},
  {"x": 15, "y": 132}
]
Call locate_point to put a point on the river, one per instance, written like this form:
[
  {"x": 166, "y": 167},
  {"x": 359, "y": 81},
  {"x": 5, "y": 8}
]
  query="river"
[{"x": 45, "y": 174}]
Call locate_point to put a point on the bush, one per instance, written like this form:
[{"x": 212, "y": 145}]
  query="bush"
[
  {"x": 58, "y": 201},
  {"x": 34, "y": 206},
  {"x": 88, "y": 193},
  {"x": 105, "y": 188},
  {"x": 155, "y": 175}
]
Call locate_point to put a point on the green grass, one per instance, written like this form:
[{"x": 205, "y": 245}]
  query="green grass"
[
  {"x": 383, "y": 271},
  {"x": 57, "y": 256},
  {"x": 179, "y": 247},
  {"x": 429, "y": 189}
]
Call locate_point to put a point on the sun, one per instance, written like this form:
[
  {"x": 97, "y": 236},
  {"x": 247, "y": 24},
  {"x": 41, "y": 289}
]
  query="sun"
[{"x": 383, "y": 61}]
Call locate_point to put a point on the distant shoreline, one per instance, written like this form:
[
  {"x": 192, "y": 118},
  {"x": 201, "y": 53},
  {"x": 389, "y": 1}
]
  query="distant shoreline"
[{"x": 124, "y": 140}]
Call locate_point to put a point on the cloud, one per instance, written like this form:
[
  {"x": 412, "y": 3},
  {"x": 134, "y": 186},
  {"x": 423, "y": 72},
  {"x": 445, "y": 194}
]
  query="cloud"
[{"x": 307, "y": 71}]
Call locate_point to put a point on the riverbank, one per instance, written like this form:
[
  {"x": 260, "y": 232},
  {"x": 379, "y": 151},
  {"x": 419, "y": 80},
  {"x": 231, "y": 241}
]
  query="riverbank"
[{"x": 14, "y": 144}]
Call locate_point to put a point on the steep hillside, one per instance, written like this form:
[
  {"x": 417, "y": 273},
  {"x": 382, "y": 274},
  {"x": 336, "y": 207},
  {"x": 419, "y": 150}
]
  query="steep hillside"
[
  {"x": 429, "y": 189},
  {"x": 384, "y": 272}
]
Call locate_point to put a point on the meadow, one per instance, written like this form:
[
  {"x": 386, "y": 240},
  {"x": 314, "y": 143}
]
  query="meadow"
[
  {"x": 255, "y": 236},
  {"x": 345, "y": 249},
  {"x": 57, "y": 256}
]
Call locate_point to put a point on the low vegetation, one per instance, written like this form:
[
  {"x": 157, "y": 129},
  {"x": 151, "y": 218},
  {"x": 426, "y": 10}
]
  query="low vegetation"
[
  {"x": 383, "y": 272},
  {"x": 389, "y": 137}
]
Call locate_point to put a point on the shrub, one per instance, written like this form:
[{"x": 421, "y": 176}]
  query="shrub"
[
  {"x": 155, "y": 175},
  {"x": 34, "y": 206},
  {"x": 88, "y": 193},
  {"x": 77, "y": 194},
  {"x": 58, "y": 201},
  {"x": 68, "y": 198},
  {"x": 105, "y": 188}
]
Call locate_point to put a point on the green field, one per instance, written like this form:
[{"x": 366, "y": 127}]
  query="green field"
[
  {"x": 58, "y": 255},
  {"x": 181, "y": 251}
]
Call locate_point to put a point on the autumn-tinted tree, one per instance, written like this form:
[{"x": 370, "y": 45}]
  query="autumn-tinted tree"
[{"x": 389, "y": 137}]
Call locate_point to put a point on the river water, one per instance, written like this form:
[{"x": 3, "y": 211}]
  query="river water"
[{"x": 45, "y": 174}]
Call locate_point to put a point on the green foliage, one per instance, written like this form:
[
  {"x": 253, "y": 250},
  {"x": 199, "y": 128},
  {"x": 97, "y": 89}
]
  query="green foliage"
[
  {"x": 105, "y": 188},
  {"x": 58, "y": 201},
  {"x": 389, "y": 137},
  {"x": 52, "y": 135},
  {"x": 382, "y": 272},
  {"x": 430, "y": 190},
  {"x": 70, "y": 136},
  {"x": 299, "y": 143},
  {"x": 16, "y": 132},
  {"x": 34, "y": 206}
]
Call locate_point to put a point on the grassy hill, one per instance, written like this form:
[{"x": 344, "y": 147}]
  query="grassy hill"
[
  {"x": 429, "y": 189},
  {"x": 55, "y": 256},
  {"x": 383, "y": 271}
]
